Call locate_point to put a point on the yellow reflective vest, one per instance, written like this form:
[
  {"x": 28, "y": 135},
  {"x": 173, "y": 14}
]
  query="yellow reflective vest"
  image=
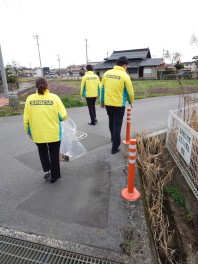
[
  {"x": 116, "y": 87},
  {"x": 42, "y": 117},
  {"x": 90, "y": 85}
]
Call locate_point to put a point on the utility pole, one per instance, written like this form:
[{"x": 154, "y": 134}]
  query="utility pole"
[
  {"x": 37, "y": 37},
  {"x": 163, "y": 60},
  {"x": 86, "y": 51},
  {"x": 58, "y": 59},
  {"x": 3, "y": 74}
]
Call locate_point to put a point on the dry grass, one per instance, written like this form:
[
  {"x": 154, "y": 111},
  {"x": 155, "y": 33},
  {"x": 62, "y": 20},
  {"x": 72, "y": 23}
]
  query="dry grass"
[
  {"x": 193, "y": 258},
  {"x": 190, "y": 112},
  {"x": 156, "y": 172}
]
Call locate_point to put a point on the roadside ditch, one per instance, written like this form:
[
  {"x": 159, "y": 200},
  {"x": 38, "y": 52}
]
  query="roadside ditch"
[{"x": 169, "y": 204}]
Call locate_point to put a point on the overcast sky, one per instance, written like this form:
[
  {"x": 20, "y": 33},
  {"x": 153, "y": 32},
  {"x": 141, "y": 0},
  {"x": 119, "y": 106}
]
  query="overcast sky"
[{"x": 108, "y": 25}]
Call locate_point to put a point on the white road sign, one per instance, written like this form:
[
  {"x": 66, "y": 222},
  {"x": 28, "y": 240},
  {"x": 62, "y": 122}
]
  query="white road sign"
[{"x": 184, "y": 143}]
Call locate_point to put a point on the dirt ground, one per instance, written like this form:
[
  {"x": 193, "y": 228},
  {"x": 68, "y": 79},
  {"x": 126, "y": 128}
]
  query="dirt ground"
[
  {"x": 58, "y": 88},
  {"x": 62, "y": 88},
  {"x": 184, "y": 231}
]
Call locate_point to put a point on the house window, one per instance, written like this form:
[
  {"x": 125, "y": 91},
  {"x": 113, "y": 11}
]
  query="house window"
[
  {"x": 132, "y": 71},
  {"x": 148, "y": 70}
]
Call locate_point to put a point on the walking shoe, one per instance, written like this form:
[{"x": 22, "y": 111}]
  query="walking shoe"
[
  {"x": 115, "y": 151},
  {"x": 91, "y": 124},
  {"x": 47, "y": 175},
  {"x": 96, "y": 121},
  {"x": 52, "y": 180}
]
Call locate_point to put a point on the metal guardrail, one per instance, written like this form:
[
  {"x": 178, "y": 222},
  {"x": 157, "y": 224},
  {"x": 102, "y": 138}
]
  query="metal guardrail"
[
  {"x": 16, "y": 251},
  {"x": 189, "y": 169}
]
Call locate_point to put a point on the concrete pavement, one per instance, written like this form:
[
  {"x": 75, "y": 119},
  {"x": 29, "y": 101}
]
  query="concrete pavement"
[{"x": 83, "y": 211}]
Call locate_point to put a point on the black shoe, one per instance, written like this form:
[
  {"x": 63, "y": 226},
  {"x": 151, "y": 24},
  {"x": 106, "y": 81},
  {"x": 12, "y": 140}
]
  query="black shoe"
[
  {"x": 91, "y": 124},
  {"x": 53, "y": 180},
  {"x": 115, "y": 151},
  {"x": 47, "y": 175},
  {"x": 96, "y": 121}
]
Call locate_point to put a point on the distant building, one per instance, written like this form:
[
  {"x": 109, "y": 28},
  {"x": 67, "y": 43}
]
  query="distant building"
[
  {"x": 78, "y": 70},
  {"x": 46, "y": 70},
  {"x": 190, "y": 65},
  {"x": 27, "y": 72},
  {"x": 141, "y": 65},
  {"x": 37, "y": 72}
]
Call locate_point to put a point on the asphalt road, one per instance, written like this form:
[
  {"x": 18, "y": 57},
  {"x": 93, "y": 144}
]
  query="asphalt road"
[
  {"x": 147, "y": 115},
  {"x": 85, "y": 207}
]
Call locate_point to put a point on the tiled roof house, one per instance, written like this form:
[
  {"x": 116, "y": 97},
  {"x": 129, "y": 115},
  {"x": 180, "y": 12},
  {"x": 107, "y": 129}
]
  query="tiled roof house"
[{"x": 141, "y": 65}]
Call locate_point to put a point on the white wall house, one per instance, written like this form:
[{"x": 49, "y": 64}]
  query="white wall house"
[
  {"x": 37, "y": 72},
  {"x": 191, "y": 65}
]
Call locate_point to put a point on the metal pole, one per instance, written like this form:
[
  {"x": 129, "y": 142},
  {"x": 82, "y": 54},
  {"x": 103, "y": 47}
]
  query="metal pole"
[{"x": 3, "y": 74}]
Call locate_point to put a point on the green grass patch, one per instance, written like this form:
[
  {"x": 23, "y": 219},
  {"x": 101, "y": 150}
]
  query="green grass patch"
[
  {"x": 176, "y": 195},
  {"x": 74, "y": 83},
  {"x": 149, "y": 84},
  {"x": 10, "y": 111},
  {"x": 71, "y": 101},
  {"x": 69, "y": 90}
]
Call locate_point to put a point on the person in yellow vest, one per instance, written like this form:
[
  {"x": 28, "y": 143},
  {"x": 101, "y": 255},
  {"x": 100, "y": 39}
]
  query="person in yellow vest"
[
  {"x": 116, "y": 90},
  {"x": 42, "y": 118},
  {"x": 90, "y": 89}
]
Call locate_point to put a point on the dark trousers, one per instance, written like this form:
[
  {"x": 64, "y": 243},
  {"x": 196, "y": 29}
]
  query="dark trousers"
[
  {"x": 49, "y": 156},
  {"x": 116, "y": 115},
  {"x": 92, "y": 109}
]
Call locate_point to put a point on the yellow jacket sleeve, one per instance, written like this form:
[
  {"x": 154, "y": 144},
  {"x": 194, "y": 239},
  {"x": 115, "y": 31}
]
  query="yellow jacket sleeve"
[
  {"x": 61, "y": 110},
  {"x": 130, "y": 90},
  {"x": 82, "y": 86},
  {"x": 26, "y": 119}
]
